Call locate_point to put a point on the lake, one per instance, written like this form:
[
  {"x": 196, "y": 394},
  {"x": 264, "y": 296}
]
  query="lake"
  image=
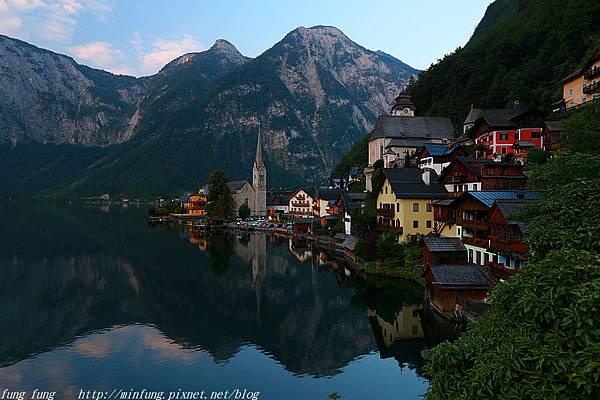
[{"x": 92, "y": 298}]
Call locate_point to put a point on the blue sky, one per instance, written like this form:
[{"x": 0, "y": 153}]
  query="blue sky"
[{"x": 139, "y": 37}]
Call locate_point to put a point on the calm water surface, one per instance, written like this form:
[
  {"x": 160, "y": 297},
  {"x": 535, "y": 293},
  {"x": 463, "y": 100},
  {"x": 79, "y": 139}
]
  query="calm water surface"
[{"x": 95, "y": 299}]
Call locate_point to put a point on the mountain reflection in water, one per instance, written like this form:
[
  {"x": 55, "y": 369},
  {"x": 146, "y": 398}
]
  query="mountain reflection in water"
[{"x": 97, "y": 299}]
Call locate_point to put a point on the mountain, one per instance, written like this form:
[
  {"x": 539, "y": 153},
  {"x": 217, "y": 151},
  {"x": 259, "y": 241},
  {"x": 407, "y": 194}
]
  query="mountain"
[
  {"x": 314, "y": 93},
  {"x": 48, "y": 97},
  {"x": 519, "y": 52}
]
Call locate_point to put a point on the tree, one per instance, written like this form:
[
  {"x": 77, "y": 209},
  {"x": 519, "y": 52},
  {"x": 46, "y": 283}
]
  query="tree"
[
  {"x": 582, "y": 129},
  {"x": 244, "y": 211},
  {"x": 220, "y": 202}
]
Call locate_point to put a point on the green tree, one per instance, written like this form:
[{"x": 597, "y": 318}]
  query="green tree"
[
  {"x": 220, "y": 201},
  {"x": 244, "y": 211},
  {"x": 582, "y": 130}
]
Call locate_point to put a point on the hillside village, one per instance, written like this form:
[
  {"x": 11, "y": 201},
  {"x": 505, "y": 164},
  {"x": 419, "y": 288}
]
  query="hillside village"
[{"x": 458, "y": 197}]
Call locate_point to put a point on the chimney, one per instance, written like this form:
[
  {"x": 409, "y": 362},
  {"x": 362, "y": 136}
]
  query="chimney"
[{"x": 426, "y": 175}]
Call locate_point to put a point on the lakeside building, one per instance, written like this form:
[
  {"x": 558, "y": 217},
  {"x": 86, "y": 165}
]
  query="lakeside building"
[
  {"x": 506, "y": 131},
  {"x": 404, "y": 201},
  {"x": 452, "y": 288},
  {"x": 439, "y": 156},
  {"x": 581, "y": 86},
  {"x": 325, "y": 201},
  {"x": 474, "y": 174},
  {"x": 301, "y": 203},
  {"x": 397, "y": 136},
  {"x": 441, "y": 250}
]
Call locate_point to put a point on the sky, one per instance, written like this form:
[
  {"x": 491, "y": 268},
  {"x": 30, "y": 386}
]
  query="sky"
[{"x": 138, "y": 37}]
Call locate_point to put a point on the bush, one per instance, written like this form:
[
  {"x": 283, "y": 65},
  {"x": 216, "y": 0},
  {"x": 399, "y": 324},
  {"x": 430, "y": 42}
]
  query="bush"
[{"x": 244, "y": 211}]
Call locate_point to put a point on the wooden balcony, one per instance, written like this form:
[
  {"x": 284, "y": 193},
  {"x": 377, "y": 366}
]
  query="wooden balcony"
[
  {"x": 457, "y": 179},
  {"x": 389, "y": 228},
  {"x": 300, "y": 204},
  {"x": 513, "y": 246},
  {"x": 592, "y": 88},
  {"x": 475, "y": 224},
  {"x": 386, "y": 212}
]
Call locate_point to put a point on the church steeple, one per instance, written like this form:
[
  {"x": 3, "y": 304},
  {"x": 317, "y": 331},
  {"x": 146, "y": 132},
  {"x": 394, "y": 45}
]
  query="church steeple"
[
  {"x": 258, "y": 161},
  {"x": 259, "y": 179}
]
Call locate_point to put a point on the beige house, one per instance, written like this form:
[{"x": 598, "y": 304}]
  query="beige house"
[
  {"x": 582, "y": 86},
  {"x": 404, "y": 201},
  {"x": 301, "y": 203}
]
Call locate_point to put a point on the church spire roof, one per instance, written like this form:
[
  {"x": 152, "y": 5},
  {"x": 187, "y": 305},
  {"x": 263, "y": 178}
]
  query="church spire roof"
[{"x": 259, "y": 160}]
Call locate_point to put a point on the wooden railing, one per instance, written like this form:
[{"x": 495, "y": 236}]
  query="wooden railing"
[{"x": 386, "y": 212}]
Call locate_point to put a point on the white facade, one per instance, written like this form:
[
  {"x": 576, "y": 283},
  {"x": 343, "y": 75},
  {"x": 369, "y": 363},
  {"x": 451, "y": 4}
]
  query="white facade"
[{"x": 301, "y": 204}]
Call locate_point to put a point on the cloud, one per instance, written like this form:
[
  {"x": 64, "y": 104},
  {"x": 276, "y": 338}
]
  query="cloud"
[
  {"x": 49, "y": 20},
  {"x": 98, "y": 54},
  {"x": 163, "y": 51}
]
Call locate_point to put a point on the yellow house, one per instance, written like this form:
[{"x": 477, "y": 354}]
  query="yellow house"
[
  {"x": 583, "y": 85},
  {"x": 404, "y": 201}
]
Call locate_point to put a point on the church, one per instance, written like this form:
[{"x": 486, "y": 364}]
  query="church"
[{"x": 253, "y": 195}]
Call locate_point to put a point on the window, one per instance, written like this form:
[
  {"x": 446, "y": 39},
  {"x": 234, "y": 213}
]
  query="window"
[
  {"x": 517, "y": 135},
  {"x": 246, "y": 201},
  {"x": 429, "y": 224},
  {"x": 503, "y": 150},
  {"x": 380, "y": 151},
  {"x": 583, "y": 99},
  {"x": 455, "y": 188},
  {"x": 466, "y": 188},
  {"x": 535, "y": 135},
  {"x": 504, "y": 136},
  {"x": 415, "y": 224},
  {"x": 415, "y": 207},
  {"x": 478, "y": 259},
  {"x": 471, "y": 255},
  {"x": 386, "y": 190},
  {"x": 397, "y": 207},
  {"x": 570, "y": 92},
  {"x": 474, "y": 186},
  {"x": 428, "y": 207}
]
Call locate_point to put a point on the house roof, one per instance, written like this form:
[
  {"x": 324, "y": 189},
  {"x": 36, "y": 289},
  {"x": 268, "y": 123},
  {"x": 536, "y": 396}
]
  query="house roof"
[
  {"x": 349, "y": 243},
  {"x": 234, "y": 186},
  {"x": 443, "y": 243},
  {"x": 416, "y": 143},
  {"x": 440, "y": 149},
  {"x": 388, "y": 126},
  {"x": 407, "y": 183},
  {"x": 462, "y": 276},
  {"x": 328, "y": 194},
  {"x": 472, "y": 163},
  {"x": 502, "y": 117},
  {"x": 403, "y": 100},
  {"x": 509, "y": 208},
  {"x": 353, "y": 201},
  {"x": 555, "y": 126},
  {"x": 474, "y": 113},
  {"x": 488, "y": 198}
]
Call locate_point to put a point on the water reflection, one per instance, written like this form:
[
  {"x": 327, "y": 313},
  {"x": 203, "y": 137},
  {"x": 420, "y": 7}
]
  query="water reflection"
[{"x": 95, "y": 298}]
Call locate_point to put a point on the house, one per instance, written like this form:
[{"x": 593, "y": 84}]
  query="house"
[
  {"x": 507, "y": 131},
  {"x": 278, "y": 203},
  {"x": 440, "y": 250},
  {"x": 301, "y": 203},
  {"x": 473, "y": 174},
  {"x": 401, "y": 134},
  {"x": 470, "y": 213},
  {"x": 355, "y": 175},
  {"x": 404, "y": 201},
  {"x": 438, "y": 156},
  {"x": 195, "y": 203},
  {"x": 347, "y": 202},
  {"x": 506, "y": 235},
  {"x": 449, "y": 286},
  {"x": 553, "y": 132},
  {"x": 325, "y": 202},
  {"x": 581, "y": 86}
]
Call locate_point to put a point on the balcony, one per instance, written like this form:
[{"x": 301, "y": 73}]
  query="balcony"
[
  {"x": 513, "y": 246},
  {"x": 389, "y": 228},
  {"x": 385, "y": 212},
  {"x": 473, "y": 241},
  {"x": 300, "y": 204},
  {"x": 592, "y": 73},
  {"x": 592, "y": 88},
  {"x": 475, "y": 224}
]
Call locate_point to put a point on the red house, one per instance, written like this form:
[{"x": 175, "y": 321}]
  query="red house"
[
  {"x": 474, "y": 174},
  {"x": 508, "y": 131},
  {"x": 506, "y": 235}
]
